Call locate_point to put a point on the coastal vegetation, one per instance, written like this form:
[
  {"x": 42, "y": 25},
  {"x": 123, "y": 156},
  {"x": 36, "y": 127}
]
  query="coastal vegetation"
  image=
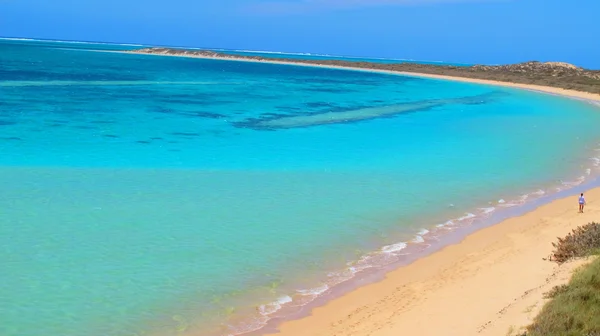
[
  {"x": 554, "y": 74},
  {"x": 574, "y": 309},
  {"x": 581, "y": 242}
]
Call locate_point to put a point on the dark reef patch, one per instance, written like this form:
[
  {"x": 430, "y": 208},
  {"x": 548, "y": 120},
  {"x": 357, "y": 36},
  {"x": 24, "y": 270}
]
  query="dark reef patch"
[
  {"x": 197, "y": 99},
  {"x": 329, "y": 90},
  {"x": 185, "y": 134},
  {"x": 203, "y": 114},
  {"x": 287, "y": 107},
  {"x": 347, "y": 115},
  {"x": 318, "y": 104},
  {"x": 276, "y": 115},
  {"x": 57, "y": 121},
  {"x": 185, "y": 113},
  {"x": 102, "y": 122}
]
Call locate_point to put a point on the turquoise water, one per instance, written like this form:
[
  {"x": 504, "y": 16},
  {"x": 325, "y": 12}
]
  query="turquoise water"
[{"x": 162, "y": 196}]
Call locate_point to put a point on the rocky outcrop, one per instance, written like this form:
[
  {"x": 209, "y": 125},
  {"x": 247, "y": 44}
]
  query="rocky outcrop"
[
  {"x": 555, "y": 74},
  {"x": 555, "y": 69},
  {"x": 176, "y": 52}
]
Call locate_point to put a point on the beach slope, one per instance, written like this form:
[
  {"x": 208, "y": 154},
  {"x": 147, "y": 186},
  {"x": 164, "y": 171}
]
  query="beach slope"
[{"x": 491, "y": 283}]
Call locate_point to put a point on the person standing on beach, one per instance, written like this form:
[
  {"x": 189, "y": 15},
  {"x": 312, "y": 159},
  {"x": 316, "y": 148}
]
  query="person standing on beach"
[{"x": 581, "y": 203}]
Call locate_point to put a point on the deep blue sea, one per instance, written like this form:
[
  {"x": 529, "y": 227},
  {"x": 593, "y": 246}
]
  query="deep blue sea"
[{"x": 151, "y": 195}]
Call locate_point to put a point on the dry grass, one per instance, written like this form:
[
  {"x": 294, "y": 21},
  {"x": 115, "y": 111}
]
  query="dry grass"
[
  {"x": 574, "y": 309},
  {"x": 581, "y": 242},
  {"x": 555, "y": 291}
]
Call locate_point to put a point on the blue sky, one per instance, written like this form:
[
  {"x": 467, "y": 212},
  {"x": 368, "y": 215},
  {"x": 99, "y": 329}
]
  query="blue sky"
[{"x": 469, "y": 31}]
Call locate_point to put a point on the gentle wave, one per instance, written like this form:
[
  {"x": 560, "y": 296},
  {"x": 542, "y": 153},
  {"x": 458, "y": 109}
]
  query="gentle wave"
[
  {"x": 275, "y": 306},
  {"x": 487, "y": 210},
  {"x": 394, "y": 248},
  {"x": 467, "y": 216},
  {"x": 314, "y": 291},
  {"x": 418, "y": 239},
  {"x": 389, "y": 254}
]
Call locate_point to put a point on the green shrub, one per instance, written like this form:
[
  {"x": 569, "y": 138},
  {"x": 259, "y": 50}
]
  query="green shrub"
[
  {"x": 581, "y": 242},
  {"x": 555, "y": 291}
]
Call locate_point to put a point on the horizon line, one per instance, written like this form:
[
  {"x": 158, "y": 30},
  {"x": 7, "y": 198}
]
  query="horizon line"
[{"x": 18, "y": 38}]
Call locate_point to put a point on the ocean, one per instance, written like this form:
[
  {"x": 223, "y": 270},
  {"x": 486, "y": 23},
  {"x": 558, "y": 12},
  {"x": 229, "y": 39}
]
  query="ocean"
[{"x": 151, "y": 195}]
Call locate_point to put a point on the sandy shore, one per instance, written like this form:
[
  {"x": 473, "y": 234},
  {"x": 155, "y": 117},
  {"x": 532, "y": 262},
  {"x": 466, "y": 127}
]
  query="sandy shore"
[{"x": 491, "y": 283}]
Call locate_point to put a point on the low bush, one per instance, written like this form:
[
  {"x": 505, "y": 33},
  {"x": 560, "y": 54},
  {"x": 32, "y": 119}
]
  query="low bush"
[
  {"x": 581, "y": 242},
  {"x": 555, "y": 291}
]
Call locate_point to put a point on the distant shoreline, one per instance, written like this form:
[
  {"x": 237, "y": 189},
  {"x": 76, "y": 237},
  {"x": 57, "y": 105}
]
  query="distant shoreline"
[{"x": 405, "y": 69}]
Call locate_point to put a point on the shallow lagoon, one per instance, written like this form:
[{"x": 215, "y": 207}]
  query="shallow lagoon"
[{"x": 158, "y": 193}]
